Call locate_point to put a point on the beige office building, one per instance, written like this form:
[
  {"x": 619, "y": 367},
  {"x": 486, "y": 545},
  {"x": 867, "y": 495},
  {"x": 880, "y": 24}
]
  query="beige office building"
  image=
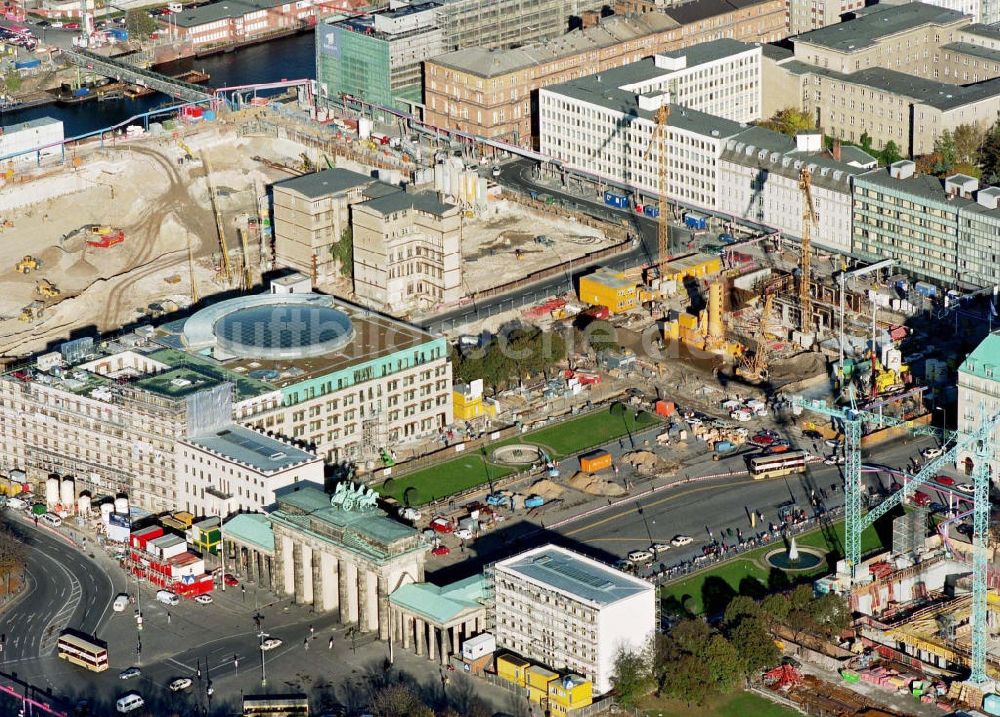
[{"x": 407, "y": 251}]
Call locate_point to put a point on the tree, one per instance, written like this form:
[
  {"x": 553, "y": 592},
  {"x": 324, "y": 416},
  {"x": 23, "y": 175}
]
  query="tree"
[
  {"x": 139, "y": 24},
  {"x": 968, "y": 141},
  {"x": 790, "y": 121},
  {"x": 399, "y": 700},
  {"x": 754, "y": 644},
  {"x": 890, "y": 153},
  {"x": 342, "y": 251},
  {"x": 691, "y": 635},
  {"x": 631, "y": 676},
  {"x": 774, "y": 609},
  {"x": 989, "y": 154},
  {"x": 927, "y": 162},
  {"x": 724, "y": 664},
  {"x": 866, "y": 142},
  {"x": 12, "y": 558},
  {"x": 689, "y": 679},
  {"x": 740, "y": 607},
  {"x": 944, "y": 148},
  {"x": 801, "y": 597},
  {"x": 832, "y": 613},
  {"x": 12, "y": 81}
]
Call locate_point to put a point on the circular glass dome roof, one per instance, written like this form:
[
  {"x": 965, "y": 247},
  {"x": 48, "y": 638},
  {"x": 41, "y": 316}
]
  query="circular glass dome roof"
[{"x": 278, "y": 331}]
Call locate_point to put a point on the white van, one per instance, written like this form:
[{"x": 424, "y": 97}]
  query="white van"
[
  {"x": 52, "y": 519},
  {"x": 130, "y": 703},
  {"x": 16, "y": 504},
  {"x": 167, "y": 597},
  {"x": 120, "y": 603}
]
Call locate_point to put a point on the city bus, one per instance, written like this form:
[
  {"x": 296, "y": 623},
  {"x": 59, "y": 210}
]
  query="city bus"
[
  {"x": 83, "y": 652},
  {"x": 777, "y": 465}
]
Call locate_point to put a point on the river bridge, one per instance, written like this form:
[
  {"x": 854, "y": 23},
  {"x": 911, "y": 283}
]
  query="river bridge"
[{"x": 111, "y": 67}]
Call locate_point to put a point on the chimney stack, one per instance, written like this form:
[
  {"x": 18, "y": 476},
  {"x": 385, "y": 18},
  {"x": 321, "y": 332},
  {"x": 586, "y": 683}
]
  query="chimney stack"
[{"x": 836, "y": 149}]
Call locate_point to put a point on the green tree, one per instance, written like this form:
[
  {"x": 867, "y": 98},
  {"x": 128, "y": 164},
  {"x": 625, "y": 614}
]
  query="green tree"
[
  {"x": 989, "y": 154},
  {"x": 12, "y": 81},
  {"x": 790, "y": 121},
  {"x": 740, "y": 607},
  {"x": 866, "y": 142},
  {"x": 890, "y": 153},
  {"x": 755, "y": 645},
  {"x": 944, "y": 148},
  {"x": 774, "y": 609},
  {"x": 631, "y": 676},
  {"x": 801, "y": 597},
  {"x": 832, "y": 613},
  {"x": 691, "y": 635},
  {"x": 724, "y": 664},
  {"x": 968, "y": 139},
  {"x": 688, "y": 679},
  {"x": 139, "y": 24},
  {"x": 342, "y": 251}
]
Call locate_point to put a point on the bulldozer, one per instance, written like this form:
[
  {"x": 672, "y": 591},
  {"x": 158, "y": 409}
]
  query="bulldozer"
[
  {"x": 27, "y": 264},
  {"x": 32, "y": 312},
  {"x": 46, "y": 289}
]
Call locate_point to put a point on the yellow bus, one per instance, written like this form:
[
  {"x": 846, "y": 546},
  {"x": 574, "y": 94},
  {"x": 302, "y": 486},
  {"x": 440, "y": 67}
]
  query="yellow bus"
[
  {"x": 83, "y": 652},
  {"x": 777, "y": 465}
]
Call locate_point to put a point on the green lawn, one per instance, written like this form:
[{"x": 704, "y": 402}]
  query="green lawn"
[
  {"x": 569, "y": 437},
  {"x": 745, "y": 576},
  {"x": 470, "y": 469},
  {"x": 738, "y": 704}
]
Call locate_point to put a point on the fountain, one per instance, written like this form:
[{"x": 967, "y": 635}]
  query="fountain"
[{"x": 794, "y": 558}]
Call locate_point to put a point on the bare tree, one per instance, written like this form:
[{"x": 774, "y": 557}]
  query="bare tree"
[{"x": 13, "y": 556}]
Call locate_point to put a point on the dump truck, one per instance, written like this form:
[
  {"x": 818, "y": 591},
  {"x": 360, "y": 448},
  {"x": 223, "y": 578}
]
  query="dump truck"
[
  {"x": 27, "y": 264},
  {"x": 102, "y": 236},
  {"x": 47, "y": 289}
]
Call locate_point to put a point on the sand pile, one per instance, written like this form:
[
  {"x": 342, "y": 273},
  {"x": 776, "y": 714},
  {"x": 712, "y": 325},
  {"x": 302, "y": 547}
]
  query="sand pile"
[
  {"x": 547, "y": 489},
  {"x": 594, "y": 485},
  {"x": 642, "y": 461}
]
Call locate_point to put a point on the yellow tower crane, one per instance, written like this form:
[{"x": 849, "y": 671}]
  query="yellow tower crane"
[
  {"x": 808, "y": 219},
  {"x": 662, "y": 227},
  {"x": 247, "y": 272},
  {"x": 194, "y": 281}
]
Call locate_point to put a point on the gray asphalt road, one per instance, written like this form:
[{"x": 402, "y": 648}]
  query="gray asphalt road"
[{"x": 66, "y": 590}]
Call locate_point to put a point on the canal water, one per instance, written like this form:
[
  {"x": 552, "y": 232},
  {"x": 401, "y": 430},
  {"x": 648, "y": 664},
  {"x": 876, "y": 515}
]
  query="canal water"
[{"x": 290, "y": 58}]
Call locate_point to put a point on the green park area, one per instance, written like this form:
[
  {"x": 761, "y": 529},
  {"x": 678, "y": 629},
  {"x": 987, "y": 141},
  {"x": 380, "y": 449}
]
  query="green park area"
[
  {"x": 711, "y": 590},
  {"x": 474, "y": 468},
  {"x": 736, "y": 704}
]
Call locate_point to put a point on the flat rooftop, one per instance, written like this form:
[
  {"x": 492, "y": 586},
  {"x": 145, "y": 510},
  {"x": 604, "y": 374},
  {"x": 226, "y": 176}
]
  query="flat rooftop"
[
  {"x": 263, "y": 453},
  {"x": 326, "y": 182},
  {"x": 574, "y": 575},
  {"x": 877, "y": 23},
  {"x": 687, "y": 13}
]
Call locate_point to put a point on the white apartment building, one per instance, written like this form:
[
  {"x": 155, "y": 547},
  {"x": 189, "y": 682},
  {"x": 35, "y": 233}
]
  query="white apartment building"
[
  {"x": 236, "y": 469},
  {"x": 600, "y": 124},
  {"x": 979, "y": 389},
  {"x": 407, "y": 251},
  {"x": 759, "y": 173},
  {"x": 570, "y": 612}
]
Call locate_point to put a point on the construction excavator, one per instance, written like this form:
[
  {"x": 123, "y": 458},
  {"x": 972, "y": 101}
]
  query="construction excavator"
[{"x": 27, "y": 265}]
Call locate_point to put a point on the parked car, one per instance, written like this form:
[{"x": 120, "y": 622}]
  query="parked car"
[
  {"x": 640, "y": 556},
  {"x": 129, "y": 673},
  {"x": 658, "y": 548},
  {"x": 57, "y": 23},
  {"x": 496, "y": 171},
  {"x": 440, "y": 551},
  {"x": 762, "y": 439},
  {"x": 833, "y": 442},
  {"x": 270, "y": 643},
  {"x": 812, "y": 435},
  {"x": 922, "y": 499},
  {"x": 411, "y": 514},
  {"x": 180, "y": 684},
  {"x": 230, "y": 580},
  {"x": 204, "y": 599},
  {"x": 120, "y": 603},
  {"x": 932, "y": 452},
  {"x": 463, "y": 534},
  {"x": 441, "y": 525},
  {"x": 945, "y": 480},
  {"x": 967, "y": 488},
  {"x": 72, "y": 26},
  {"x": 624, "y": 565},
  {"x": 681, "y": 540},
  {"x": 965, "y": 529}
]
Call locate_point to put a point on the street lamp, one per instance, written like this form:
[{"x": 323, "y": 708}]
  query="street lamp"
[{"x": 944, "y": 416}]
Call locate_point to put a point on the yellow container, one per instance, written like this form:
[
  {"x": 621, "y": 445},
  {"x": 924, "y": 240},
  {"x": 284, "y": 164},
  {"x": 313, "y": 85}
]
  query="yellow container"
[{"x": 512, "y": 668}]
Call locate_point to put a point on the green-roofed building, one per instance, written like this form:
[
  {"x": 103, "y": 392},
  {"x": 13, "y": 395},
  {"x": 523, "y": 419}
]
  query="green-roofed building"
[
  {"x": 341, "y": 553},
  {"x": 436, "y": 621},
  {"x": 979, "y": 395}
]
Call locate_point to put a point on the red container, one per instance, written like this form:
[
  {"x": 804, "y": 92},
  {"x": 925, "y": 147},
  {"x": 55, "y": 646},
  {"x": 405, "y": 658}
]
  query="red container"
[{"x": 665, "y": 408}]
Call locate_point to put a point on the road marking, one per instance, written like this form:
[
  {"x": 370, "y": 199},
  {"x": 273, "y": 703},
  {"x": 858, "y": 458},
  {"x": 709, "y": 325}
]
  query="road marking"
[
  {"x": 180, "y": 664},
  {"x": 661, "y": 501}
]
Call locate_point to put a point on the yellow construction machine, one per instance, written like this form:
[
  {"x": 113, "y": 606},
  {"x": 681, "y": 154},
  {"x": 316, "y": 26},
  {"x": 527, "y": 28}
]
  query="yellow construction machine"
[
  {"x": 46, "y": 289},
  {"x": 27, "y": 264}
]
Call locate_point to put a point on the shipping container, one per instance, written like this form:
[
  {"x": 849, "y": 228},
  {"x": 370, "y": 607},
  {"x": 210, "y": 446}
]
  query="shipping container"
[
  {"x": 693, "y": 220},
  {"x": 925, "y": 289},
  {"x": 619, "y": 201},
  {"x": 651, "y": 210},
  {"x": 595, "y": 461},
  {"x": 665, "y": 408}
]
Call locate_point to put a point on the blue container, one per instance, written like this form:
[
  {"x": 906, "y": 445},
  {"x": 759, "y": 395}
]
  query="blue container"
[
  {"x": 208, "y": 115},
  {"x": 651, "y": 211},
  {"x": 28, "y": 64},
  {"x": 695, "y": 221},
  {"x": 81, "y": 92},
  {"x": 619, "y": 201}
]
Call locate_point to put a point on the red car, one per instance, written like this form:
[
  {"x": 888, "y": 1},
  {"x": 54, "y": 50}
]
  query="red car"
[
  {"x": 945, "y": 480},
  {"x": 440, "y": 525},
  {"x": 230, "y": 580},
  {"x": 440, "y": 550},
  {"x": 762, "y": 439},
  {"x": 72, "y": 26},
  {"x": 921, "y": 499}
]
